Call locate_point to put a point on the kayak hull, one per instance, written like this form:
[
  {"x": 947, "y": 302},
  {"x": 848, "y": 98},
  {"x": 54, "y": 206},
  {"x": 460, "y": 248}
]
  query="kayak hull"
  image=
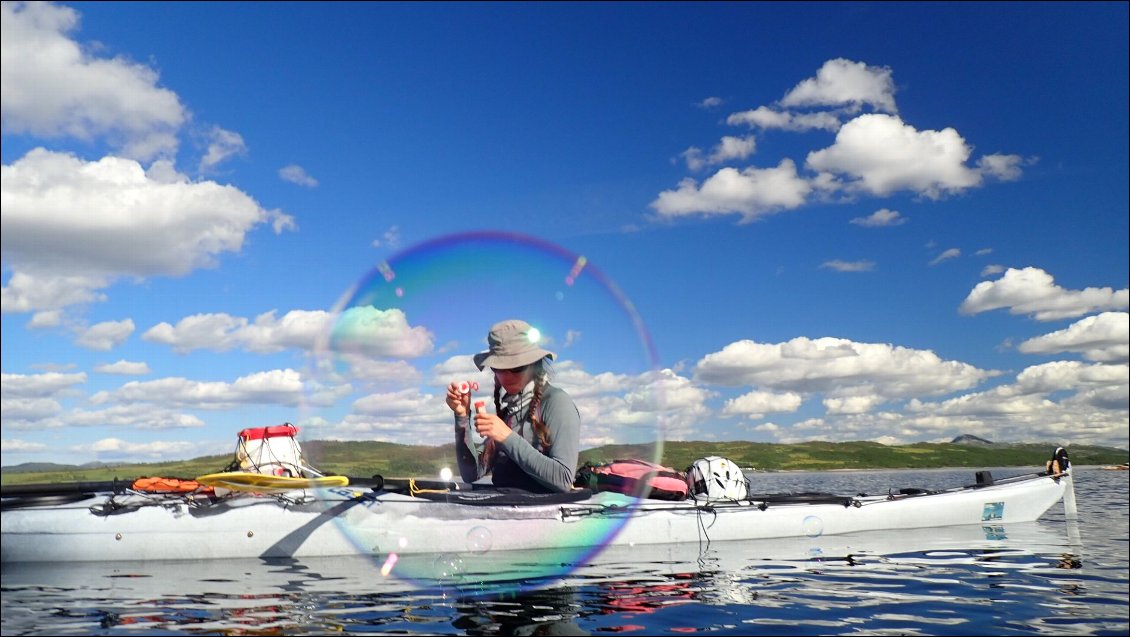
[{"x": 342, "y": 521}]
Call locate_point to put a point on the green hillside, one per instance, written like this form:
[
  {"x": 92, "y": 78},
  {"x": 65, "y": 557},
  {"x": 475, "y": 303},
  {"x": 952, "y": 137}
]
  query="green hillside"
[{"x": 393, "y": 460}]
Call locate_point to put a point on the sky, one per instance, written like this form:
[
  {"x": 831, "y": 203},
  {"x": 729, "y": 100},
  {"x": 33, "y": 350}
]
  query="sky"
[{"x": 774, "y": 222}]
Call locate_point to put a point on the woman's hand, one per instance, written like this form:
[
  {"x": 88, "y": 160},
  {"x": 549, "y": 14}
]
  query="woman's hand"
[
  {"x": 459, "y": 402},
  {"x": 491, "y": 426}
]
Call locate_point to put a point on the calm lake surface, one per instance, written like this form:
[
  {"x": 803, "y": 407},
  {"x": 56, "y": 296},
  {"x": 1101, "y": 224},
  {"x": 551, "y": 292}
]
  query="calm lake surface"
[{"x": 1053, "y": 576}]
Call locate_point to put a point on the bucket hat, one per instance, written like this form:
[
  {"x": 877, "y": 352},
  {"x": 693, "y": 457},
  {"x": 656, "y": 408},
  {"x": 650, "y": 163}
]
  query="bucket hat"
[{"x": 513, "y": 343}]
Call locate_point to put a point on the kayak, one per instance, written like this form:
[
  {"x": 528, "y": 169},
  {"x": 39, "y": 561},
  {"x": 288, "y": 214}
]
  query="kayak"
[{"x": 393, "y": 520}]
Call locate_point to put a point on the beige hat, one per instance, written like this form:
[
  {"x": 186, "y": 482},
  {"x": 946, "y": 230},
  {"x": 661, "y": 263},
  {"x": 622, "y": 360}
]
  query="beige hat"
[{"x": 512, "y": 344}]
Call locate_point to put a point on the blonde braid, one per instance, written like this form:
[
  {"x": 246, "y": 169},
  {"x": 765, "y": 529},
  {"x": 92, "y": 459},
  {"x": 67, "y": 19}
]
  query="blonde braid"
[{"x": 535, "y": 411}]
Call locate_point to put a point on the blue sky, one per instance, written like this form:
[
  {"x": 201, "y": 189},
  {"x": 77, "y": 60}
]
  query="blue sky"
[{"x": 898, "y": 222}]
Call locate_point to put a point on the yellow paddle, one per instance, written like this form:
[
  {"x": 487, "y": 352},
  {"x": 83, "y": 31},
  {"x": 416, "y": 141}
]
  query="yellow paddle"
[{"x": 262, "y": 483}]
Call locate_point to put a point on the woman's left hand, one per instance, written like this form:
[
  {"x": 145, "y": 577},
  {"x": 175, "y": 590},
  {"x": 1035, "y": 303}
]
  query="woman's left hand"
[{"x": 491, "y": 426}]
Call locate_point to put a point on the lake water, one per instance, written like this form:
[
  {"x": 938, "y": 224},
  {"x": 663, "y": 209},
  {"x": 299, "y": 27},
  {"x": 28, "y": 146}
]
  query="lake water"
[{"x": 1053, "y": 576}]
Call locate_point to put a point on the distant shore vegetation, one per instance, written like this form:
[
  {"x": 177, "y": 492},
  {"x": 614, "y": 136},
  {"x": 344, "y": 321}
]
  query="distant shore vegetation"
[{"x": 367, "y": 458}]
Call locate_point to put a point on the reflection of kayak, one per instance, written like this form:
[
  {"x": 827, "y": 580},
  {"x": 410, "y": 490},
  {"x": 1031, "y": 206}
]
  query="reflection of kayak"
[
  {"x": 617, "y": 566},
  {"x": 351, "y": 521}
]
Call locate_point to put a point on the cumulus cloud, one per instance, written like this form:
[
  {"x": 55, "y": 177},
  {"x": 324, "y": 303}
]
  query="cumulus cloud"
[
  {"x": 296, "y": 174},
  {"x": 875, "y": 154},
  {"x": 27, "y": 398},
  {"x": 730, "y": 148},
  {"x": 767, "y": 118},
  {"x": 1033, "y": 291},
  {"x": 880, "y": 154},
  {"x": 837, "y": 368},
  {"x": 880, "y": 219},
  {"x": 8, "y": 445},
  {"x": 756, "y": 404},
  {"x": 364, "y": 332},
  {"x": 752, "y": 193},
  {"x": 1062, "y": 402},
  {"x": 105, "y": 336},
  {"x": 53, "y": 88},
  {"x": 116, "y": 449},
  {"x": 274, "y": 387},
  {"x": 843, "y": 82},
  {"x": 1103, "y": 338},
  {"x": 38, "y": 385},
  {"x": 71, "y": 227}
]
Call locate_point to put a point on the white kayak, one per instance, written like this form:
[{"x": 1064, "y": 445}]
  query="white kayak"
[{"x": 385, "y": 525}]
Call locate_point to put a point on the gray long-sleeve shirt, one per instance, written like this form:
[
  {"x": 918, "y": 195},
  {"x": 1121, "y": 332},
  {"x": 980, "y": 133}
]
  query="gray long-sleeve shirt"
[{"x": 519, "y": 461}]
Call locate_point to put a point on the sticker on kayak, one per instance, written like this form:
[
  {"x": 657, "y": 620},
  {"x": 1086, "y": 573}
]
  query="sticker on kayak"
[
  {"x": 992, "y": 511},
  {"x": 261, "y": 483}
]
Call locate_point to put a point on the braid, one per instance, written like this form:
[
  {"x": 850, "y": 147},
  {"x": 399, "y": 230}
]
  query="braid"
[{"x": 535, "y": 411}]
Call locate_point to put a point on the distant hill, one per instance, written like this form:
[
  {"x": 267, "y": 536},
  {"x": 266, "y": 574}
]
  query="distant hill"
[
  {"x": 969, "y": 439},
  {"x": 366, "y": 458}
]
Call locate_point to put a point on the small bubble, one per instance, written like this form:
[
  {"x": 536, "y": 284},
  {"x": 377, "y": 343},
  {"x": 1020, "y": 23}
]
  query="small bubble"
[
  {"x": 813, "y": 526},
  {"x": 479, "y": 539},
  {"x": 447, "y": 566}
]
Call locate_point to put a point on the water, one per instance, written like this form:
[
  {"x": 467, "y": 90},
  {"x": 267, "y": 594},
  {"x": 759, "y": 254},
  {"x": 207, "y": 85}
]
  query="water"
[{"x": 1051, "y": 577}]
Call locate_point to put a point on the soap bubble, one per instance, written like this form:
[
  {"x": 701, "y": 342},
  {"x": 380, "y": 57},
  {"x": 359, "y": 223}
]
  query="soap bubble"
[
  {"x": 478, "y": 539},
  {"x": 409, "y": 327},
  {"x": 813, "y": 526}
]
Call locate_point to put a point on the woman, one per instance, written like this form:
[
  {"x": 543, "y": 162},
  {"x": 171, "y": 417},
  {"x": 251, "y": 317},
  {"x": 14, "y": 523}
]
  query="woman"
[{"x": 531, "y": 440}]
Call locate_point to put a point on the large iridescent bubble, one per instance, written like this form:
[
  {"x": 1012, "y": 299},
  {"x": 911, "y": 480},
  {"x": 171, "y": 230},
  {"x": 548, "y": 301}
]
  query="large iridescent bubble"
[{"x": 408, "y": 328}]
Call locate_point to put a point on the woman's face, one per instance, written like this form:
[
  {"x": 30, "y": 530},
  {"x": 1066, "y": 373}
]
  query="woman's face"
[{"x": 513, "y": 380}]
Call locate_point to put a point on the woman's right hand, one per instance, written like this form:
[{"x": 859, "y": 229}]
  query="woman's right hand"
[{"x": 459, "y": 402}]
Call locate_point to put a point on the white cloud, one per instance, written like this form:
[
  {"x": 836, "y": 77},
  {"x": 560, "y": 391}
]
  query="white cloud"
[
  {"x": 838, "y": 368},
  {"x": 123, "y": 368},
  {"x": 729, "y": 148},
  {"x": 38, "y": 385},
  {"x": 767, "y": 118},
  {"x": 1102, "y": 338},
  {"x": 222, "y": 145},
  {"x": 22, "y": 446},
  {"x": 1033, "y": 291},
  {"x": 71, "y": 227},
  {"x": 882, "y": 155},
  {"x": 53, "y": 88},
  {"x": 946, "y": 255},
  {"x": 296, "y": 174},
  {"x": 274, "y": 387},
  {"x": 849, "y": 266},
  {"x": 880, "y": 219},
  {"x": 116, "y": 448},
  {"x": 710, "y": 102},
  {"x": 1061, "y": 402},
  {"x": 843, "y": 82},
  {"x": 105, "y": 336},
  {"x": 756, "y": 404},
  {"x": 852, "y": 404},
  {"x": 27, "y": 292},
  {"x": 752, "y": 192},
  {"x": 992, "y": 269}
]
